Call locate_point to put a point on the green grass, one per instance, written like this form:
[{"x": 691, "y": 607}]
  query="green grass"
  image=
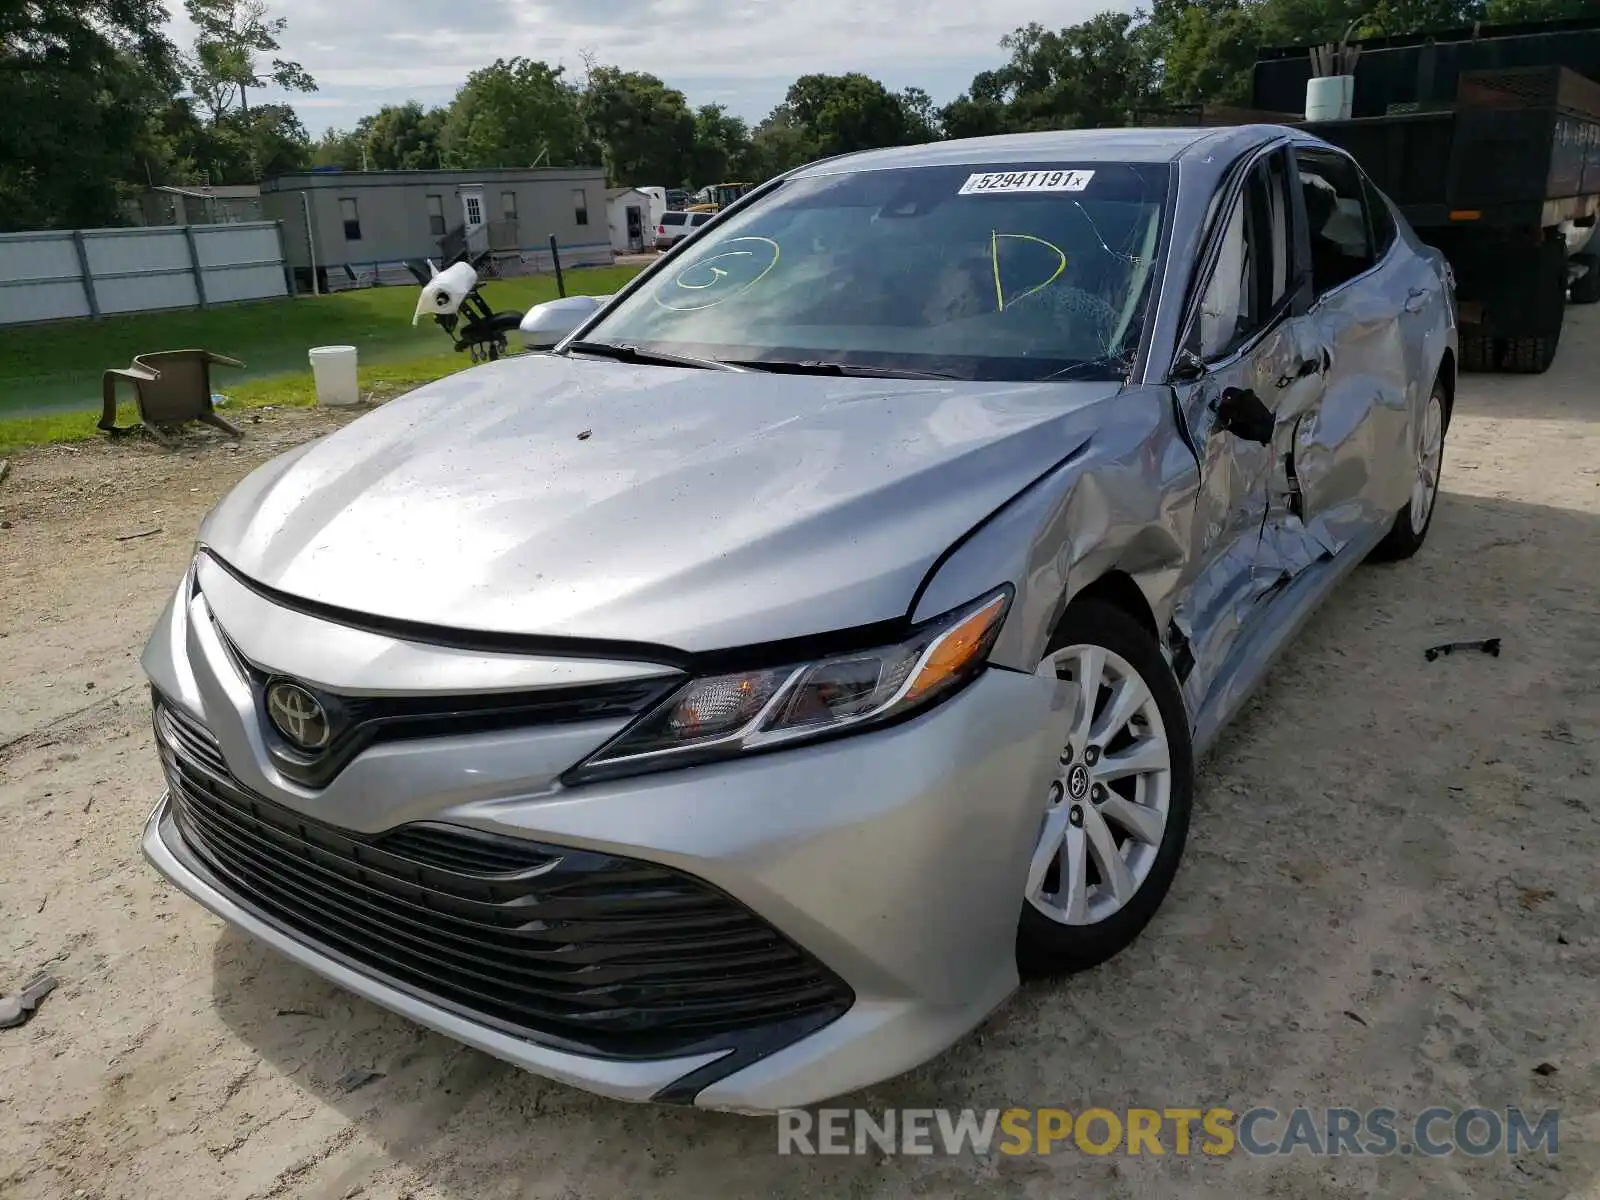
[{"x": 50, "y": 374}]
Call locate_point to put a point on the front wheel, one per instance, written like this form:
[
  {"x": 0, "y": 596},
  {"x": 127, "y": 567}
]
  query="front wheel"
[{"x": 1115, "y": 815}]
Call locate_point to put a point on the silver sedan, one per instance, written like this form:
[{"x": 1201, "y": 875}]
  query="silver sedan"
[{"x": 730, "y": 706}]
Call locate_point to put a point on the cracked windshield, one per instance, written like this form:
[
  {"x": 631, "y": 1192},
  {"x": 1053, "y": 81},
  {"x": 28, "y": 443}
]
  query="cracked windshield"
[{"x": 1038, "y": 271}]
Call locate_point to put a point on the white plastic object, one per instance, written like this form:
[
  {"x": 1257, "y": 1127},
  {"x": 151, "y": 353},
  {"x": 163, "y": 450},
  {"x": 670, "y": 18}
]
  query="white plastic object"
[
  {"x": 335, "y": 370},
  {"x": 1330, "y": 97},
  {"x": 445, "y": 291}
]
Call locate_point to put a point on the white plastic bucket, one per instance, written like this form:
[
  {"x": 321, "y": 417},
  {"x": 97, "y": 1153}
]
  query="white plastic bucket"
[
  {"x": 1330, "y": 97},
  {"x": 335, "y": 370}
]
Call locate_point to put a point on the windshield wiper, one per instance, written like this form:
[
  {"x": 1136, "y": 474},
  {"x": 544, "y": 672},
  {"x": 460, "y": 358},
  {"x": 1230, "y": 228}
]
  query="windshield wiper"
[
  {"x": 633, "y": 354},
  {"x": 814, "y": 367}
]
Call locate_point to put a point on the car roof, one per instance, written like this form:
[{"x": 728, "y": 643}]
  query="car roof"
[{"x": 1067, "y": 145}]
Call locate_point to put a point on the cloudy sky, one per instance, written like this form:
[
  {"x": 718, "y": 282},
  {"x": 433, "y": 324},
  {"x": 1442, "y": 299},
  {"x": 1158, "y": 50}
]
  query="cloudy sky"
[{"x": 742, "y": 53}]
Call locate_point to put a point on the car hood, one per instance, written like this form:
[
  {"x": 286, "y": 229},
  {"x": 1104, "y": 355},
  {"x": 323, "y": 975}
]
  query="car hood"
[{"x": 698, "y": 510}]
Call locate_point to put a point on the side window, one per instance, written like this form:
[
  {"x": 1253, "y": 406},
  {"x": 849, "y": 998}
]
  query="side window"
[
  {"x": 1381, "y": 217},
  {"x": 1225, "y": 304},
  {"x": 1274, "y": 181},
  {"x": 1336, "y": 219},
  {"x": 1252, "y": 271},
  {"x": 351, "y": 219}
]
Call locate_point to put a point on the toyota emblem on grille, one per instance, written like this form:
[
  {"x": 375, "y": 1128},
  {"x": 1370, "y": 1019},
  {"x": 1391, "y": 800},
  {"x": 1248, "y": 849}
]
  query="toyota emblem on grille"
[{"x": 299, "y": 716}]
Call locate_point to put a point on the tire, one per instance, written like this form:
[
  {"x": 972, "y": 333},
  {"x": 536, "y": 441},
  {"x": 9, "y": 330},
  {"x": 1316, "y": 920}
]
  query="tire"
[
  {"x": 1411, "y": 524},
  {"x": 1477, "y": 353},
  {"x": 1586, "y": 289},
  {"x": 1529, "y": 355},
  {"x": 1088, "y": 806}
]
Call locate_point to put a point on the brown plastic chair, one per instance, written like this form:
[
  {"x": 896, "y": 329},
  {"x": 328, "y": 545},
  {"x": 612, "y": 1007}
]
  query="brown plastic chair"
[{"x": 172, "y": 386}]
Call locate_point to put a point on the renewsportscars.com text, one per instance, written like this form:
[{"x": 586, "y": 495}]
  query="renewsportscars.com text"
[{"x": 1258, "y": 1132}]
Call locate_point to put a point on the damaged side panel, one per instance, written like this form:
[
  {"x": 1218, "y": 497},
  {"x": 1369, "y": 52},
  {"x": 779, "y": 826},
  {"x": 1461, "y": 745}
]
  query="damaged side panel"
[
  {"x": 1123, "y": 500},
  {"x": 1235, "y": 498}
]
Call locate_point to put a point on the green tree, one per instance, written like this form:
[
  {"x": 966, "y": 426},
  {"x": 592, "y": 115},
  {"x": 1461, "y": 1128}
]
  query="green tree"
[
  {"x": 230, "y": 37},
  {"x": 515, "y": 113},
  {"x": 338, "y": 148},
  {"x": 1207, "y": 49},
  {"x": 644, "y": 127},
  {"x": 1098, "y": 73},
  {"x": 923, "y": 123},
  {"x": 779, "y": 144},
  {"x": 980, "y": 112},
  {"x": 842, "y": 113},
  {"x": 1508, "y": 11},
  {"x": 275, "y": 142},
  {"x": 722, "y": 148},
  {"x": 403, "y": 137},
  {"x": 82, "y": 83}
]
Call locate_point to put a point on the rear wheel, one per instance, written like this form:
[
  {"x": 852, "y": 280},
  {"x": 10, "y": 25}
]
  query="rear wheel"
[
  {"x": 1410, "y": 528},
  {"x": 1116, "y": 812}
]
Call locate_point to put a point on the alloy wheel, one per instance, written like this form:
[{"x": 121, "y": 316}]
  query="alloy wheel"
[
  {"x": 1430, "y": 461},
  {"x": 1107, "y": 804}
]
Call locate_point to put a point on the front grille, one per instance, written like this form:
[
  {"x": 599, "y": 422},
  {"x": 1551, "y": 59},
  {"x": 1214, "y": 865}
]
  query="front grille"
[
  {"x": 183, "y": 732},
  {"x": 582, "y": 950},
  {"x": 465, "y": 851}
]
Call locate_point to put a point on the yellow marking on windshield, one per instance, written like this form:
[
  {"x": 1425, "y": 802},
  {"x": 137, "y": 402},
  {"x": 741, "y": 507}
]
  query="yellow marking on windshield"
[
  {"x": 994, "y": 257},
  {"x": 716, "y": 272},
  {"x": 718, "y": 275}
]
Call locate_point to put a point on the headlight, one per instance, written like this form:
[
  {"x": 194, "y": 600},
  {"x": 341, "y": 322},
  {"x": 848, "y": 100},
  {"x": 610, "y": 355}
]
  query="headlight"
[{"x": 719, "y": 716}]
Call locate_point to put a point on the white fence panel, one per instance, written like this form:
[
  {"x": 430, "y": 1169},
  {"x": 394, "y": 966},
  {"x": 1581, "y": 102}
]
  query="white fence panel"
[
  {"x": 39, "y": 278},
  {"x": 239, "y": 262},
  {"x": 136, "y": 270},
  {"x": 42, "y": 275}
]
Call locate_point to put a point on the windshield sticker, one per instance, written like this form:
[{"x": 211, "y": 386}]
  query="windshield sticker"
[
  {"x": 738, "y": 265},
  {"x": 985, "y": 182}
]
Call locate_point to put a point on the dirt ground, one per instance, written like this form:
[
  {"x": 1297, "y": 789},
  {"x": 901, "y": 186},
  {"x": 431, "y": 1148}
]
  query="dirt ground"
[{"x": 1389, "y": 897}]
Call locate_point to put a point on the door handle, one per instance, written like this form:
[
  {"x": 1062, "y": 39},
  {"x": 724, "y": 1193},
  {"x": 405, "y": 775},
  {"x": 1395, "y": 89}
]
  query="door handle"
[{"x": 1416, "y": 298}]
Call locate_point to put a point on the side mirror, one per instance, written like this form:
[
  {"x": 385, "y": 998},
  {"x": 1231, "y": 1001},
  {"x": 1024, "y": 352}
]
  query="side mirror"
[
  {"x": 546, "y": 324},
  {"x": 1241, "y": 412}
]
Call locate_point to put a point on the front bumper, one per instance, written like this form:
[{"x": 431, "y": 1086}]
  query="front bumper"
[{"x": 895, "y": 858}]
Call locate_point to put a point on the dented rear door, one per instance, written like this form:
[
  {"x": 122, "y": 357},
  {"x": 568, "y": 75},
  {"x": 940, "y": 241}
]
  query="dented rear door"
[{"x": 1350, "y": 447}]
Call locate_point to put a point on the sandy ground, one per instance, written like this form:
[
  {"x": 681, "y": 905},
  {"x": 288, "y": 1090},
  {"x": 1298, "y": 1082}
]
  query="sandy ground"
[{"x": 1389, "y": 897}]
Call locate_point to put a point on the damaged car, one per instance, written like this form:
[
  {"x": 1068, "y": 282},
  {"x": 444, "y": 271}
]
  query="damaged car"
[{"x": 730, "y": 706}]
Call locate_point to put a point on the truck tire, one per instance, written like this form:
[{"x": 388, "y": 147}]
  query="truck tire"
[
  {"x": 1586, "y": 288},
  {"x": 1529, "y": 355},
  {"x": 1477, "y": 353},
  {"x": 1532, "y": 355}
]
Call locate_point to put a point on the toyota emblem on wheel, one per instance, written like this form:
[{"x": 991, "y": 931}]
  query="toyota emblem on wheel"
[
  {"x": 1078, "y": 782},
  {"x": 299, "y": 716}
]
